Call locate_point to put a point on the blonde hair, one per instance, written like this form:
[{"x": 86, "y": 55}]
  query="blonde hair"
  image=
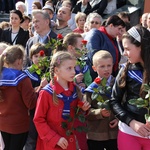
[
  {"x": 102, "y": 54},
  {"x": 9, "y": 56},
  {"x": 78, "y": 16},
  {"x": 56, "y": 61},
  {"x": 3, "y": 46}
]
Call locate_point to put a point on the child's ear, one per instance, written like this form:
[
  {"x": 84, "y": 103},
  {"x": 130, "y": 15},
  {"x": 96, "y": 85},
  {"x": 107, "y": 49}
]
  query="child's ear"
[
  {"x": 70, "y": 48},
  {"x": 94, "y": 68},
  {"x": 56, "y": 70}
]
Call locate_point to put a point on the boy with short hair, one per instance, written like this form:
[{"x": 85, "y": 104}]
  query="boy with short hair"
[{"x": 101, "y": 123}]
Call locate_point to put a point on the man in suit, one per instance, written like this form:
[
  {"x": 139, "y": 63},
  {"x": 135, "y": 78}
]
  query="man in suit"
[{"x": 43, "y": 32}]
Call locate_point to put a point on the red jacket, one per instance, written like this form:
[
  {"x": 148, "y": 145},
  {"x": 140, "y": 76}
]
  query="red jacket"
[
  {"x": 48, "y": 119},
  {"x": 17, "y": 100}
]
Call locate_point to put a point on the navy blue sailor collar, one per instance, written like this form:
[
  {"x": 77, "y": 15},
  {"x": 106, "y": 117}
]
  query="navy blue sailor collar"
[{"x": 11, "y": 77}]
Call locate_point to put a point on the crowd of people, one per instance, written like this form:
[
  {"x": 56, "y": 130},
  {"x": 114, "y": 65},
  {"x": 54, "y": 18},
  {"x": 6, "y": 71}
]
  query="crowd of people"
[{"x": 63, "y": 70}]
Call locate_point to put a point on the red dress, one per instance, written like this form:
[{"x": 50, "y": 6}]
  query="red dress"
[
  {"x": 48, "y": 119},
  {"x": 77, "y": 30}
]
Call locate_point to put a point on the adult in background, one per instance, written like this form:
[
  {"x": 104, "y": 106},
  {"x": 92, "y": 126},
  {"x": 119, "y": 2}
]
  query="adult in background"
[
  {"x": 49, "y": 9},
  {"x": 29, "y": 5},
  {"x": 82, "y": 6},
  {"x": 63, "y": 15},
  {"x": 41, "y": 24},
  {"x": 25, "y": 24},
  {"x": 71, "y": 21},
  {"x": 93, "y": 20},
  {"x": 105, "y": 39},
  {"x": 144, "y": 20},
  {"x": 98, "y": 6},
  {"x": 21, "y": 6},
  {"x": 15, "y": 34},
  {"x": 80, "y": 19},
  {"x": 148, "y": 22}
]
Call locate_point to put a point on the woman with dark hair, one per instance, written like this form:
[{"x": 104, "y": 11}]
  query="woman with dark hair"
[
  {"x": 134, "y": 133},
  {"x": 105, "y": 39},
  {"x": 36, "y": 5},
  {"x": 15, "y": 34}
]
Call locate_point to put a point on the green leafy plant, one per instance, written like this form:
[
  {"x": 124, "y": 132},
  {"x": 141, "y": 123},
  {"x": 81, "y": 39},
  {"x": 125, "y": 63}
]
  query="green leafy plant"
[
  {"x": 143, "y": 103},
  {"x": 42, "y": 68},
  {"x": 101, "y": 93},
  {"x": 78, "y": 115},
  {"x": 54, "y": 43},
  {"x": 82, "y": 53}
]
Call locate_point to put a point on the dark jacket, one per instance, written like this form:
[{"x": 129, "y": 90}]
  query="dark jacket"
[
  {"x": 121, "y": 107},
  {"x": 98, "y": 6},
  {"x": 34, "y": 40},
  {"x": 77, "y": 8},
  {"x": 99, "y": 41},
  {"x": 22, "y": 36}
]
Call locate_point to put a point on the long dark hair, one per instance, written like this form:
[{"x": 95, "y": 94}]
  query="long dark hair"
[{"x": 145, "y": 54}]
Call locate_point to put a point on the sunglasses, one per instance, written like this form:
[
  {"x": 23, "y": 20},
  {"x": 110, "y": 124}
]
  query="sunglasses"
[{"x": 94, "y": 22}]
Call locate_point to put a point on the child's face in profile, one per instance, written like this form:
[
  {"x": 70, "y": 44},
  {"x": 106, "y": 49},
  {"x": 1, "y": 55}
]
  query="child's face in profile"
[
  {"x": 103, "y": 67},
  {"x": 36, "y": 57},
  {"x": 79, "y": 46}
]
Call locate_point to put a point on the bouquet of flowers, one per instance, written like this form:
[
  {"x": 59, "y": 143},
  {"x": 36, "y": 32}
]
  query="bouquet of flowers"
[
  {"x": 143, "y": 103},
  {"x": 81, "y": 60},
  {"x": 78, "y": 115},
  {"x": 54, "y": 43},
  {"x": 101, "y": 93},
  {"x": 42, "y": 69}
]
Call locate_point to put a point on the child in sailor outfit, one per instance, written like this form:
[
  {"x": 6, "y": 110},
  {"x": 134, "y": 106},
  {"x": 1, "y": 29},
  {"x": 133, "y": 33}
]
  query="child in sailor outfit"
[
  {"x": 17, "y": 96},
  {"x": 56, "y": 101},
  {"x": 101, "y": 123}
]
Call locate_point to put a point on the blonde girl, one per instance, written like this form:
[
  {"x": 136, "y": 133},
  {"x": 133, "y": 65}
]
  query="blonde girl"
[
  {"x": 16, "y": 97},
  {"x": 55, "y": 103}
]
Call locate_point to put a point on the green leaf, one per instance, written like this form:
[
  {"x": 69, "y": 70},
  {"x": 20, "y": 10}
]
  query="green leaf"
[
  {"x": 146, "y": 87},
  {"x": 147, "y": 117},
  {"x": 80, "y": 128},
  {"x": 70, "y": 119},
  {"x": 100, "y": 98},
  {"x": 81, "y": 118},
  {"x": 94, "y": 96},
  {"x": 68, "y": 132},
  {"x": 147, "y": 96},
  {"x": 64, "y": 125},
  {"x": 38, "y": 72},
  {"x": 104, "y": 81},
  {"x": 95, "y": 90},
  {"x": 138, "y": 102}
]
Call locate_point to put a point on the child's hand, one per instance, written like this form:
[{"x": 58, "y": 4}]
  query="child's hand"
[
  {"x": 82, "y": 85},
  {"x": 105, "y": 112},
  {"x": 86, "y": 105},
  {"x": 113, "y": 123},
  {"x": 79, "y": 77},
  {"x": 140, "y": 128},
  {"x": 43, "y": 82},
  {"x": 63, "y": 143}
]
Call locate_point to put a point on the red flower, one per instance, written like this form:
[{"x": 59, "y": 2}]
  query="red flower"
[
  {"x": 97, "y": 80},
  {"x": 59, "y": 36},
  {"x": 84, "y": 42},
  {"x": 80, "y": 104},
  {"x": 42, "y": 53}
]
